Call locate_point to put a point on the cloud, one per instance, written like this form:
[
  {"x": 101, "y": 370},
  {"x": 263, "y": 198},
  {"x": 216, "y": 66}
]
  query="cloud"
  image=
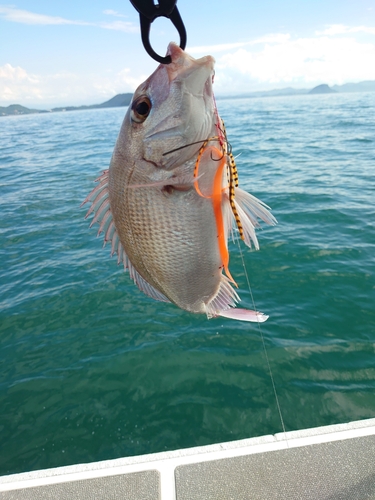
[
  {"x": 125, "y": 26},
  {"x": 8, "y": 72},
  {"x": 340, "y": 29},
  {"x": 296, "y": 61},
  {"x": 16, "y": 82},
  {"x": 110, "y": 12},
  {"x": 337, "y": 55},
  {"x": 212, "y": 49},
  {"x": 17, "y": 86},
  {"x": 26, "y": 17}
]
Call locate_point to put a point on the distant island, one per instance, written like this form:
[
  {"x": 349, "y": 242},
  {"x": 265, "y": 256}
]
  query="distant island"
[
  {"x": 115, "y": 102},
  {"x": 322, "y": 89},
  {"x": 120, "y": 100},
  {"x": 17, "y": 109}
]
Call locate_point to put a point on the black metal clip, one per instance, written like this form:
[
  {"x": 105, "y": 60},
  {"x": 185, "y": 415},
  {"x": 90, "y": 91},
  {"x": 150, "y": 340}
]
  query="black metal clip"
[{"x": 148, "y": 12}]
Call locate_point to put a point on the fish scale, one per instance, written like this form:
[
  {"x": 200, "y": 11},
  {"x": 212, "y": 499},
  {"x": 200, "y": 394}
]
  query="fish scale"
[{"x": 162, "y": 264}]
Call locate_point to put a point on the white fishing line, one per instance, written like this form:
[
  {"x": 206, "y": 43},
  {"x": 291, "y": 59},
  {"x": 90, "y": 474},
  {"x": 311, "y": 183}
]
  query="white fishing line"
[{"x": 264, "y": 348}]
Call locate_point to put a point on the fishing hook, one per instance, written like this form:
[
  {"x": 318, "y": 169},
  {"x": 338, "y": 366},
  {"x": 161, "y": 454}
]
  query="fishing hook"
[
  {"x": 148, "y": 12},
  {"x": 217, "y": 159}
]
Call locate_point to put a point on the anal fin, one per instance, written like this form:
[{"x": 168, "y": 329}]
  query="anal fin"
[
  {"x": 144, "y": 286},
  {"x": 225, "y": 298}
]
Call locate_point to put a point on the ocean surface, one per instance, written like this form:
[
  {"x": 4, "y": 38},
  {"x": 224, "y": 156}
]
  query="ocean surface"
[{"x": 92, "y": 369}]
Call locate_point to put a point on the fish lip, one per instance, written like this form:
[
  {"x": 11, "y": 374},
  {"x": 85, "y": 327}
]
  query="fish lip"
[
  {"x": 177, "y": 54},
  {"x": 183, "y": 65}
]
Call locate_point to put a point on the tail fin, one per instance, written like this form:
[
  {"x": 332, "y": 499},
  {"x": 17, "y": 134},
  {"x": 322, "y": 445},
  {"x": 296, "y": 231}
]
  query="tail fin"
[{"x": 244, "y": 315}]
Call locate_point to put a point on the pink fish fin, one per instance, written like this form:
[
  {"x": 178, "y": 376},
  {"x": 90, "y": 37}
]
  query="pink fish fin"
[
  {"x": 103, "y": 183},
  {"x": 144, "y": 286},
  {"x": 225, "y": 298},
  {"x": 244, "y": 315},
  {"x": 109, "y": 232},
  {"x": 250, "y": 209},
  {"x": 99, "y": 198},
  {"x": 117, "y": 248}
]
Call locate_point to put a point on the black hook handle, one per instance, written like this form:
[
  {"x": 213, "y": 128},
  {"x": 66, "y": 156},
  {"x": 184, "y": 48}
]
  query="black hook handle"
[{"x": 148, "y": 12}]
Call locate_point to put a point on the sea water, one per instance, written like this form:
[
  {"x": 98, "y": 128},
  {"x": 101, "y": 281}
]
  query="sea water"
[{"x": 92, "y": 369}]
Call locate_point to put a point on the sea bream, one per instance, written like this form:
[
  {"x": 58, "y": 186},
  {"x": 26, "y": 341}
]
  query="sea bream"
[{"x": 170, "y": 198}]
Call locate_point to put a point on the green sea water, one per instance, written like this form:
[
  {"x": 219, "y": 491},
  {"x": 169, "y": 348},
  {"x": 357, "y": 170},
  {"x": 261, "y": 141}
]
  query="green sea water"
[{"x": 92, "y": 369}]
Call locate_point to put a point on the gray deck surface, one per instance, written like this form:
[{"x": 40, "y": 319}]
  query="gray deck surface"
[
  {"x": 342, "y": 470},
  {"x": 327, "y": 463},
  {"x": 136, "y": 486}
]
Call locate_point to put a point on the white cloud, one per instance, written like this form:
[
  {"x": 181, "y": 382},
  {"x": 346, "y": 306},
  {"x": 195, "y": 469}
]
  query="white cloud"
[
  {"x": 17, "y": 86},
  {"x": 125, "y": 26},
  {"x": 110, "y": 12},
  {"x": 337, "y": 55},
  {"x": 8, "y": 72},
  {"x": 15, "y": 81},
  {"x": 26, "y": 17},
  {"x": 340, "y": 29},
  {"x": 212, "y": 49},
  {"x": 123, "y": 81},
  {"x": 298, "y": 62},
  {"x": 126, "y": 78}
]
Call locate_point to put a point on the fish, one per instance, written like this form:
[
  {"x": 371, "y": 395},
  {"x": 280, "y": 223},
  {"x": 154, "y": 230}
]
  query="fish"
[{"x": 170, "y": 199}]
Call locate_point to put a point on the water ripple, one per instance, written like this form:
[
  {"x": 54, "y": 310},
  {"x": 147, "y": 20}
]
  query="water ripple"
[{"x": 93, "y": 369}]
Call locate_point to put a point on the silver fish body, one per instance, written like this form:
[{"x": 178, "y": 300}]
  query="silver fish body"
[{"x": 163, "y": 202}]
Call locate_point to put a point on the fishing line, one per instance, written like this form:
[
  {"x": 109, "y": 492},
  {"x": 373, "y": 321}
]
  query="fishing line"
[{"x": 264, "y": 347}]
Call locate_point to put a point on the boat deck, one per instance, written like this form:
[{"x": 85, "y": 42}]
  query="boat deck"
[{"x": 326, "y": 463}]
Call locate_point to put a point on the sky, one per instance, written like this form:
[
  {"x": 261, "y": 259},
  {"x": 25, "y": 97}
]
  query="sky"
[{"x": 67, "y": 52}]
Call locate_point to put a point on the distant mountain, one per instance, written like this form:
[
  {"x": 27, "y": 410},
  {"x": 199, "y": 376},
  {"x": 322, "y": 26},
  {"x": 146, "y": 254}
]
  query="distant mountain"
[
  {"x": 322, "y": 89},
  {"x": 367, "y": 86},
  {"x": 17, "y": 109},
  {"x": 266, "y": 93},
  {"x": 125, "y": 99},
  {"x": 117, "y": 101}
]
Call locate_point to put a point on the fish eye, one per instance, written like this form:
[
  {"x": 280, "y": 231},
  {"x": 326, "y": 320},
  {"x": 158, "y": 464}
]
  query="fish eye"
[{"x": 141, "y": 108}]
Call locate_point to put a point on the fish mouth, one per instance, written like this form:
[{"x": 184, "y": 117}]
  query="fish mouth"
[
  {"x": 183, "y": 108},
  {"x": 196, "y": 73}
]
